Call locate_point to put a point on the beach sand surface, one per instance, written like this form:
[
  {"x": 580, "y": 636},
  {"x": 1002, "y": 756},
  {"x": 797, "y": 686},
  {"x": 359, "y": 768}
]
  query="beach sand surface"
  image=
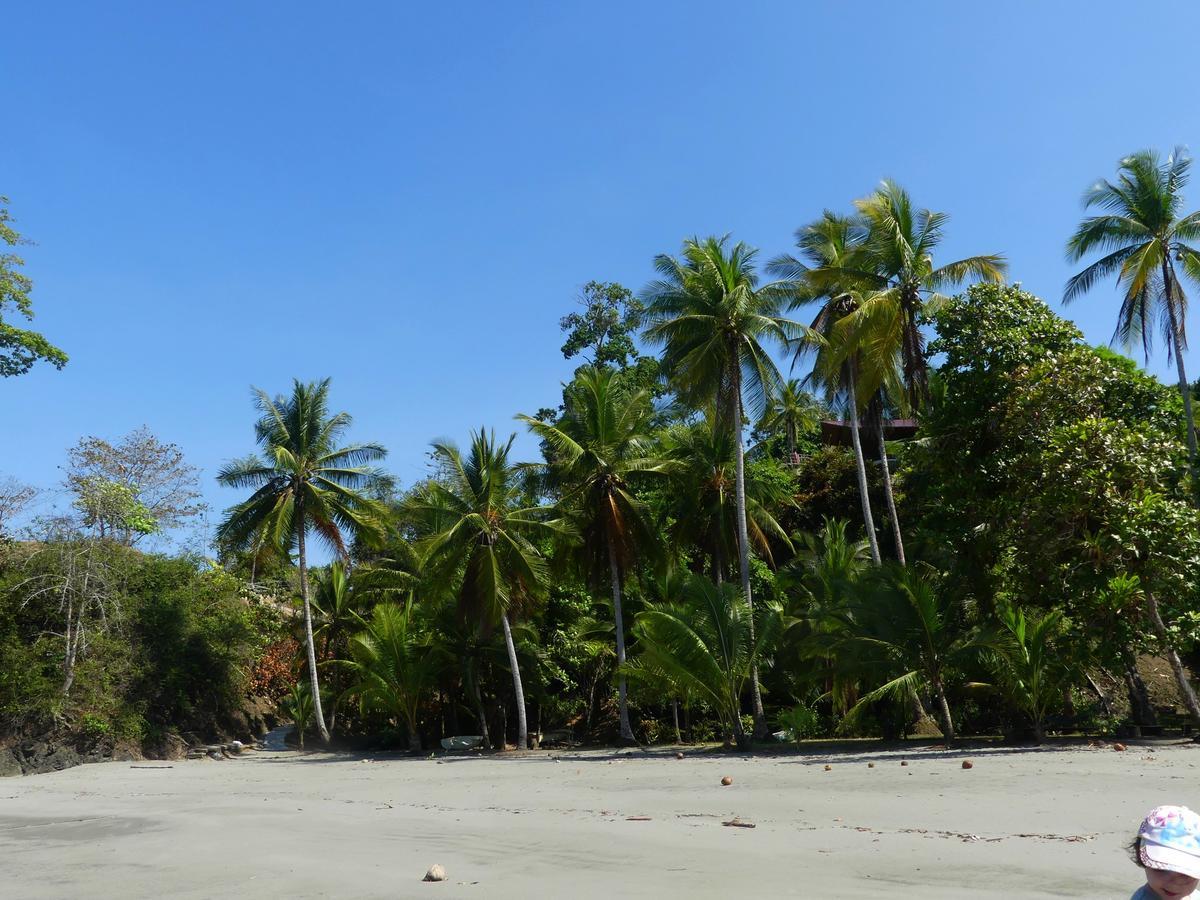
[{"x": 1019, "y": 824}]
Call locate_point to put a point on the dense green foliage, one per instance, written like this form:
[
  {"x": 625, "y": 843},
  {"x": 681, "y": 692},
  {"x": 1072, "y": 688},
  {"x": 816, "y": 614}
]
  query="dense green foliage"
[{"x": 651, "y": 577}]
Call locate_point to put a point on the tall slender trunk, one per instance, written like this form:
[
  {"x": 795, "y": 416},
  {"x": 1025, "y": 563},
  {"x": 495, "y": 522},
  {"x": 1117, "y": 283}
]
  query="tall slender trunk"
[
  {"x": 618, "y": 616},
  {"x": 675, "y": 720},
  {"x": 518, "y": 690},
  {"x": 947, "y": 722},
  {"x": 1177, "y": 346},
  {"x": 1185, "y": 686},
  {"x": 856, "y": 441},
  {"x": 791, "y": 442},
  {"x": 309, "y": 644},
  {"x": 1139, "y": 695},
  {"x": 480, "y": 712},
  {"x": 887, "y": 486},
  {"x": 760, "y": 719},
  {"x": 718, "y": 567},
  {"x": 414, "y": 738}
]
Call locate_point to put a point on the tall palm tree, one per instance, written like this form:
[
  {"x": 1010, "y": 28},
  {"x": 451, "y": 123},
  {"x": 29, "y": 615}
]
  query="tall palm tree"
[
  {"x": 791, "y": 409},
  {"x": 702, "y": 503},
  {"x": 1143, "y": 232},
  {"x": 707, "y": 645},
  {"x": 902, "y": 284},
  {"x": 601, "y": 443},
  {"x": 829, "y": 272},
  {"x": 473, "y": 522},
  {"x": 712, "y": 318},
  {"x": 304, "y": 481}
]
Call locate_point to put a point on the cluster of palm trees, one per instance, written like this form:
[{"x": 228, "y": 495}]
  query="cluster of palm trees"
[{"x": 621, "y": 499}]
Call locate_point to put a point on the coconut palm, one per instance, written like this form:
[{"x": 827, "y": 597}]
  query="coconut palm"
[
  {"x": 702, "y": 504},
  {"x": 392, "y": 666},
  {"x": 829, "y": 272},
  {"x": 791, "y": 409},
  {"x": 708, "y": 645},
  {"x": 903, "y": 631},
  {"x": 1143, "y": 232},
  {"x": 304, "y": 481},
  {"x": 1028, "y": 668},
  {"x": 900, "y": 282},
  {"x": 714, "y": 320},
  {"x": 598, "y": 447},
  {"x": 473, "y": 523}
]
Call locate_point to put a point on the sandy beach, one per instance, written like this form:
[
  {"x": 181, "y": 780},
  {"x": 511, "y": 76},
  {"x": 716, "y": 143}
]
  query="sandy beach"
[{"x": 1031, "y": 823}]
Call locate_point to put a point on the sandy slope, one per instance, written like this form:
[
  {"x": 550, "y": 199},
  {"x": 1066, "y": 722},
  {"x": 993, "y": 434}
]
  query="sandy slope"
[{"x": 1018, "y": 825}]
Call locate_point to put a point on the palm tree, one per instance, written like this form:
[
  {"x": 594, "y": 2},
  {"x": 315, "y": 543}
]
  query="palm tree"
[
  {"x": 473, "y": 523},
  {"x": 712, "y": 317},
  {"x": 829, "y": 272},
  {"x": 903, "y": 630},
  {"x": 708, "y": 645},
  {"x": 601, "y": 443},
  {"x": 304, "y": 481},
  {"x": 1027, "y": 666},
  {"x": 1143, "y": 233},
  {"x": 702, "y": 503},
  {"x": 790, "y": 409},
  {"x": 392, "y": 666},
  {"x": 900, "y": 282}
]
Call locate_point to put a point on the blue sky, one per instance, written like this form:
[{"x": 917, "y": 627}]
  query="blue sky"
[{"x": 407, "y": 198}]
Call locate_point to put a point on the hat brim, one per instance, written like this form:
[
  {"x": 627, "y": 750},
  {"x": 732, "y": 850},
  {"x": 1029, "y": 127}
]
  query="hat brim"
[{"x": 1158, "y": 856}]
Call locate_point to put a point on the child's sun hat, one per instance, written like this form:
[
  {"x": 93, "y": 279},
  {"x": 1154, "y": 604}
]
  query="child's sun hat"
[{"x": 1170, "y": 839}]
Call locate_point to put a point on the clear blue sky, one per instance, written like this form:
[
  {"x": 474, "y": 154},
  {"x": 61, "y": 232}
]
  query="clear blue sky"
[{"x": 407, "y": 197}]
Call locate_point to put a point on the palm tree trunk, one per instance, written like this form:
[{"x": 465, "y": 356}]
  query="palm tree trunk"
[
  {"x": 791, "y": 443},
  {"x": 1185, "y": 687},
  {"x": 622, "y": 692},
  {"x": 1177, "y": 346},
  {"x": 309, "y": 645},
  {"x": 760, "y": 719},
  {"x": 518, "y": 690},
  {"x": 414, "y": 738},
  {"x": 675, "y": 720},
  {"x": 887, "y": 486},
  {"x": 856, "y": 440},
  {"x": 947, "y": 722},
  {"x": 480, "y": 713}
]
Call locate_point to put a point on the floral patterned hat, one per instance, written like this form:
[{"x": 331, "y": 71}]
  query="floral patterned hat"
[{"x": 1170, "y": 839}]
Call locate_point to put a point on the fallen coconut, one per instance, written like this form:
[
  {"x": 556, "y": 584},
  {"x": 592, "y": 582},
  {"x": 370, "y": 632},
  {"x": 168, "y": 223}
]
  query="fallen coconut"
[
  {"x": 870, "y": 765},
  {"x": 829, "y": 768},
  {"x": 967, "y": 764},
  {"x": 435, "y": 873},
  {"x": 904, "y": 762},
  {"x": 726, "y": 781},
  {"x": 679, "y": 756},
  {"x": 1118, "y": 747}
]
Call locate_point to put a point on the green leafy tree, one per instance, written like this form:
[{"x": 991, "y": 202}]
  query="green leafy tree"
[
  {"x": 701, "y": 504},
  {"x": 792, "y": 410},
  {"x": 392, "y": 667},
  {"x": 828, "y": 272},
  {"x": 601, "y": 445},
  {"x": 19, "y": 347},
  {"x": 908, "y": 637},
  {"x": 1028, "y": 667},
  {"x": 714, "y": 321},
  {"x": 604, "y": 330},
  {"x": 901, "y": 283},
  {"x": 304, "y": 481},
  {"x": 708, "y": 645},
  {"x": 111, "y": 508},
  {"x": 1143, "y": 232},
  {"x": 474, "y": 524}
]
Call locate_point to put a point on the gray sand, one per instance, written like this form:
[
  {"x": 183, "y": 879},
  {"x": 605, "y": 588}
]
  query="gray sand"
[{"x": 1026, "y": 824}]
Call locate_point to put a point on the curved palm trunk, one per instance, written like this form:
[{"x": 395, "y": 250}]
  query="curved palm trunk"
[
  {"x": 944, "y": 718},
  {"x": 518, "y": 690},
  {"x": 1184, "y": 387},
  {"x": 309, "y": 645},
  {"x": 860, "y": 463},
  {"x": 760, "y": 720},
  {"x": 622, "y": 693},
  {"x": 887, "y": 486},
  {"x": 1181, "y": 678}
]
